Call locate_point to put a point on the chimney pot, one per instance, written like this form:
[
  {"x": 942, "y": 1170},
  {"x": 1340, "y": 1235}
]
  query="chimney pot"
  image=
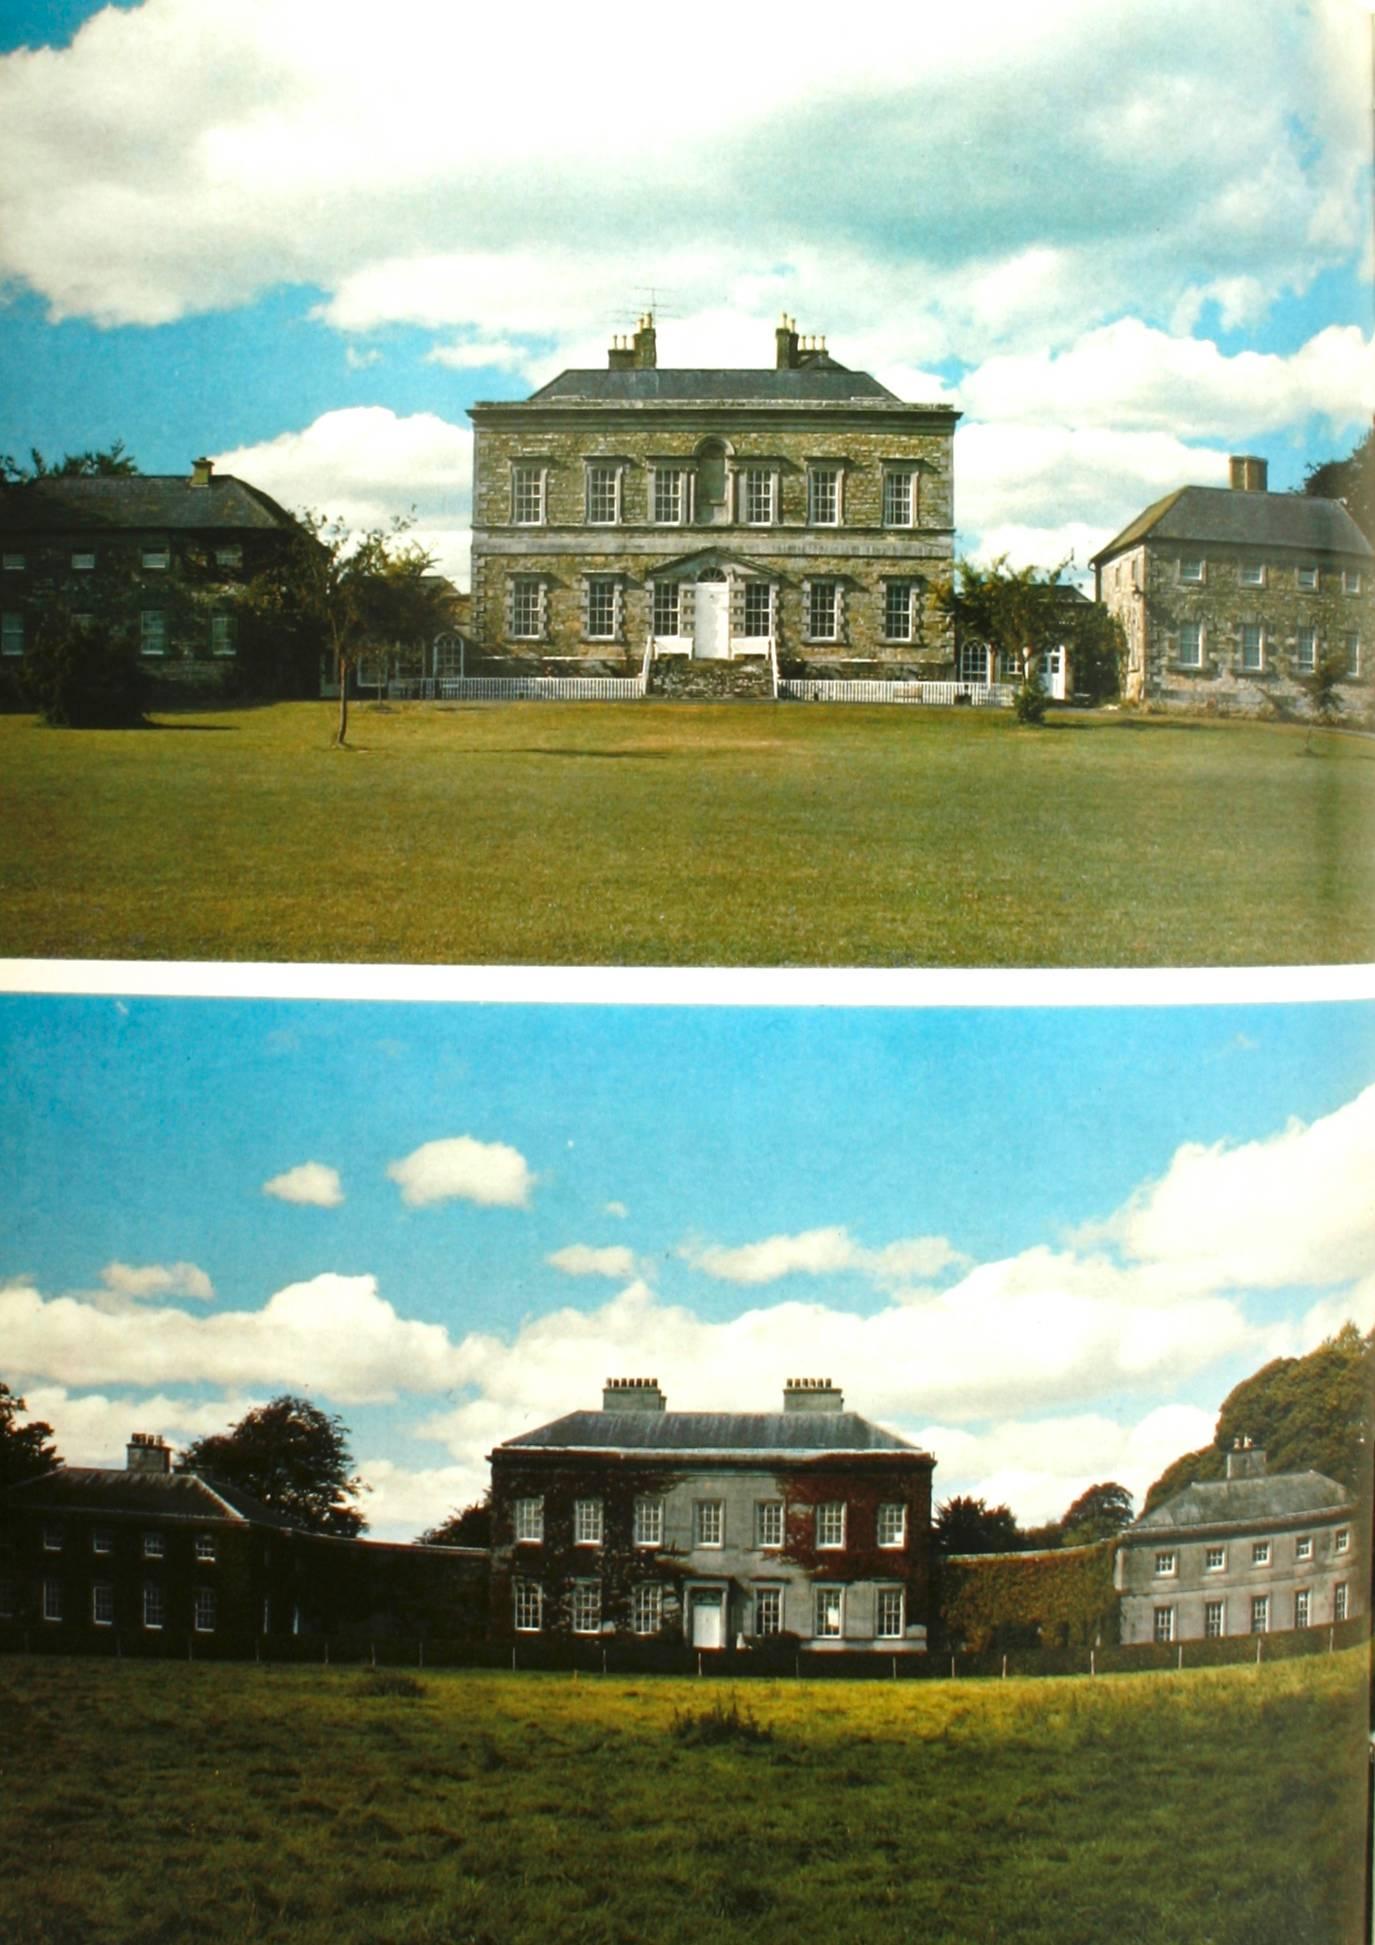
[
  {"x": 633, "y": 1394},
  {"x": 147, "y": 1452},
  {"x": 201, "y": 471},
  {"x": 812, "y": 1394},
  {"x": 1246, "y": 1460},
  {"x": 1248, "y": 473}
]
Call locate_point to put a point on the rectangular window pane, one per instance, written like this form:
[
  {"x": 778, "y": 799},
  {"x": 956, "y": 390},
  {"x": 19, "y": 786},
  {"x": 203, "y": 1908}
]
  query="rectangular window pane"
[
  {"x": 83, "y": 562},
  {"x": 1252, "y": 574},
  {"x": 527, "y": 495},
  {"x": 601, "y": 607},
  {"x": 768, "y": 1523},
  {"x": 827, "y": 1612},
  {"x": 1306, "y": 650},
  {"x": 649, "y": 1521},
  {"x": 1164, "y": 1563},
  {"x": 823, "y": 496},
  {"x": 11, "y": 634},
  {"x": 52, "y": 1538},
  {"x": 154, "y": 1546},
  {"x": 647, "y": 1609},
  {"x": 710, "y": 1522},
  {"x": 587, "y": 1607},
  {"x": 1302, "y": 1606},
  {"x": 12, "y": 563},
  {"x": 1339, "y": 1602},
  {"x": 229, "y": 557},
  {"x": 1351, "y": 580},
  {"x": 668, "y": 499},
  {"x": 897, "y": 611},
  {"x": 152, "y": 631},
  {"x": 892, "y": 1524},
  {"x": 528, "y": 1606},
  {"x": 821, "y": 611},
  {"x": 1252, "y": 646},
  {"x": 898, "y": 498},
  {"x": 758, "y": 496},
  {"x": 889, "y": 1618},
  {"x": 1191, "y": 644},
  {"x": 830, "y": 1523},
  {"x": 1214, "y": 1620},
  {"x": 204, "y": 1610},
  {"x": 1260, "y": 1613},
  {"x": 768, "y": 1610},
  {"x": 758, "y": 608},
  {"x": 102, "y": 1540},
  {"x": 1191, "y": 568},
  {"x": 1308, "y": 578},
  {"x": 1164, "y": 1624},
  {"x": 666, "y": 607},
  {"x": 205, "y": 1546},
  {"x": 529, "y": 1519},
  {"x": 103, "y": 1604},
  {"x": 1303, "y": 1548},
  {"x": 153, "y": 1608},
  {"x": 603, "y": 494},
  {"x": 52, "y": 1600},
  {"x": 1343, "y": 1540},
  {"x": 1260, "y": 1554},
  {"x": 1215, "y": 1559},
  {"x": 224, "y": 634},
  {"x": 1351, "y": 644},
  {"x": 587, "y": 1522},
  {"x": 155, "y": 557},
  {"x": 526, "y": 607}
]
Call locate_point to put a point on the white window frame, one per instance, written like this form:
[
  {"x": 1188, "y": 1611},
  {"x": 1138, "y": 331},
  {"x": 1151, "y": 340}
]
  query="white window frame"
[
  {"x": 1306, "y": 577},
  {"x": 152, "y": 632},
  {"x": 1245, "y": 648},
  {"x": 768, "y": 1523},
  {"x": 52, "y": 1536},
  {"x": 230, "y": 556},
  {"x": 12, "y": 632},
  {"x": 1305, "y": 650},
  {"x": 768, "y": 1610},
  {"x": 830, "y": 1525},
  {"x": 1342, "y": 1540},
  {"x": 594, "y": 491},
  {"x": 1341, "y": 1601},
  {"x": 1260, "y": 1614},
  {"x": 527, "y": 1520},
  {"x": 204, "y": 1610},
  {"x": 154, "y": 1546},
  {"x": 758, "y": 488},
  {"x": 52, "y": 1600},
  {"x": 1351, "y": 580},
  {"x": 649, "y": 1520},
  {"x": 670, "y": 489},
  {"x": 890, "y": 595},
  {"x": 589, "y": 1522},
  {"x": 825, "y": 483},
  {"x": 1162, "y": 1628},
  {"x": 1251, "y": 574},
  {"x": 205, "y": 1549},
  {"x": 815, "y": 593},
  {"x": 527, "y": 1599},
  {"x": 647, "y": 1608},
  {"x": 892, "y": 1523},
  {"x": 1351, "y": 645},
  {"x": 1215, "y": 1560},
  {"x": 889, "y": 1626},
  {"x": 1303, "y": 1547},
  {"x": 1214, "y": 1611},
  {"x": 1166, "y": 1565},
  {"x": 154, "y": 1606},
  {"x": 529, "y": 493},
  {"x": 1191, "y": 656},
  {"x": 527, "y": 595},
  {"x": 1193, "y": 570},
  {"x": 12, "y": 563},
  {"x": 901, "y": 490},
  {"x": 1303, "y": 1607},
  {"x": 602, "y": 588},
  {"x": 709, "y": 1523},
  {"x": 587, "y": 1607},
  {"x": 1260, "y": 1553},
  {"x": 83, "y": 560},
  {"x": 757, "y": 606},
  {"x": 667, "y": 604},
  {"x": 159, "y": 556},
  {"x": 102, "y": 1604},
  {"x": 224, "y": 635},
  {"x": 828, "y": 1612},
  {"x": 102, "y": 1540}
]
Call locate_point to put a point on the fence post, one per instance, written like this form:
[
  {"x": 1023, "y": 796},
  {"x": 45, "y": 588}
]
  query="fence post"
[
  {"x": 895, "y": 1667},
  {"x": 699, "y": 1665},
  {"x": 1259, "y": 1639},
  {"x": 1004, "y": 1667},
  {"x": 952, "y": 1668},
  {"x": 1093, "y": 1661},
  {"x": 1180, "y": 1662}
]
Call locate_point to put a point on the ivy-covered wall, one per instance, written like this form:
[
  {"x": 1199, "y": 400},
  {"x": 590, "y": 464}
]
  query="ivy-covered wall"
[{"x": 1063, "y": 1597}]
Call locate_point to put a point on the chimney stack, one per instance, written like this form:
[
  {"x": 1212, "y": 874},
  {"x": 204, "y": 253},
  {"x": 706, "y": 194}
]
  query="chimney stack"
[
  {"x": 1248, "y": 473},
  {"x": 633, "y": 1394},
  {"x": 785, "y": 343},
  {"x": 646, "y": 347},
  {"x": 812, "y": 1394},
  {"x": 1245, "y": 1460},
  {"x": 147, "y": 1452},
  {"x": 201, "y": 471}
]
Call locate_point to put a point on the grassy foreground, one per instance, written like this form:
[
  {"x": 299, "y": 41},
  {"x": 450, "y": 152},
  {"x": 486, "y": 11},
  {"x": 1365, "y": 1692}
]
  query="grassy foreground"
[
  {"x": 681, "y": 834},
  {"x": 149, "y": 1803}
]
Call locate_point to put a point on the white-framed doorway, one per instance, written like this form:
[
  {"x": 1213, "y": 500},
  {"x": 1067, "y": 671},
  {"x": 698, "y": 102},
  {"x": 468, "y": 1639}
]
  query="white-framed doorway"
[
  {"x": 707, "y": 1613},
  {"x": 711, "y": 621}
]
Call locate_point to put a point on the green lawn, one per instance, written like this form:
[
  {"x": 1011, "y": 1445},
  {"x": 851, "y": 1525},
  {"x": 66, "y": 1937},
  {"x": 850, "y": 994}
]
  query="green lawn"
[
  {"x": 687, "y": 834},
  {"x": 151, "y": 1803}
]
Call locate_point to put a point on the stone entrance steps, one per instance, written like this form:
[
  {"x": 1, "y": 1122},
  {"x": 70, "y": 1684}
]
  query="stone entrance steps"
[{"x": 678, "y": 678}]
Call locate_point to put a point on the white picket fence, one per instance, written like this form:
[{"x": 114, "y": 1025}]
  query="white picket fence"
[
  {"x": 519, "y": 688},
  {"x": 994, "y": 695}
]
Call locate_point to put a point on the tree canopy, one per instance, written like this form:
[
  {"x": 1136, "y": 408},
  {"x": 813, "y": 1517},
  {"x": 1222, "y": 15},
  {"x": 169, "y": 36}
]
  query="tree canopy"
[
  {"x": 111, "y": 460},
  {"x": 968, "y": 1525},
  {"x": 292, "y": 1456},
  {"x": 1096, "y": 1515},
  {"x": 1024, "y": 613},
  {"x": 1350, "y": 480},
  {"x": 25, "y": 1450},
  {"x": 1308, "y": 1413},
  {"x": 470, "y": 1528}
]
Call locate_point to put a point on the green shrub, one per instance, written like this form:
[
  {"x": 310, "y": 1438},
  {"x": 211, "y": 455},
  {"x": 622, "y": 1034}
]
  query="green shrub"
[
  {"x": 722, "y": 1721},
  {"x": 1029, "y": 702},
  {"x": 84, "y": 676},
  {"x": 390, "y": 1682}
]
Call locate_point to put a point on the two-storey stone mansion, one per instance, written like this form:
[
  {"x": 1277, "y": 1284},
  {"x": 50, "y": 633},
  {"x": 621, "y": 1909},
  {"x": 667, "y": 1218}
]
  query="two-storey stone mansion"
[{"x": 801, "y": 511}]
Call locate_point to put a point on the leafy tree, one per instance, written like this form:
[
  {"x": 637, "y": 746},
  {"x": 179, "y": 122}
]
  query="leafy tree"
[
  {"x": 111, "y": 460},
  {"x": 293, "y": 1457},
  {"x": 1096, "y": 1515},
  {"x": 1323, "y": 688},
  {"x": 25, "y": 1450},
  {"x": 1023, "y": 614},
  {"x": 1350, "y": 480},
  {"x": 84, "y": 675},
  {"x": 1309, "y": 1413},
  {"x": 470, "y": 1528},
  {"x": 358, "y": 593},
  {"x": 968, "y": 1525}
]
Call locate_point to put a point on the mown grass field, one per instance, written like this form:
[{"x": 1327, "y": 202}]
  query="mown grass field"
[
  {"x": 687, "y": 834},
  {"x": 152, "y": 1803}
]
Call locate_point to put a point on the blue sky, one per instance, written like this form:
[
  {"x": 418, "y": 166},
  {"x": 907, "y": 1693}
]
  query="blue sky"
[
  {"x": 1045, "y": 1242},
  {"x": 1125, "y": 241}
]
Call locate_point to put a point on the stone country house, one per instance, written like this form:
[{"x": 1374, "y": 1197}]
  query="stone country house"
[
  {"x": 713, "y": 1529},
  {"x": 1230, "y": 597},
  {"x": 712, "y": 523},
  {"x": 1253, "y": 1553}
]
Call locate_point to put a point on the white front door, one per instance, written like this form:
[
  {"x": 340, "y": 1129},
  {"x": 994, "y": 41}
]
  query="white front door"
[
  {"x": 711, "y": 622},
  {"x": 708, "y": 1627}
]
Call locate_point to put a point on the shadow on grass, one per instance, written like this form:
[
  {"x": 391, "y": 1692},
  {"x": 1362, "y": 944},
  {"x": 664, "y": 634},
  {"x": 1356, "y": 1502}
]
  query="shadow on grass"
[
  {"x": 599, "y": 756},
  {"x": 197, "y": 729}
]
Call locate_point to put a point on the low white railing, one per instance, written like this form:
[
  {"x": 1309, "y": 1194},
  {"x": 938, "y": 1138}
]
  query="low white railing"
[
  {"x": 545, "y": 688},
  {"x": 996, "y": 695}
]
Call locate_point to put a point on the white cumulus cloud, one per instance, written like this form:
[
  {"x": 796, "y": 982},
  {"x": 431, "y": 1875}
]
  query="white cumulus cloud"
[
  {"x": 583, "y": 1259},
  {"x": 490, "y": 1173},
  {"x": 821, "y": 1252},
  {"x": 139, "y": 1280},
  {"x": 315, "y": 1183}
]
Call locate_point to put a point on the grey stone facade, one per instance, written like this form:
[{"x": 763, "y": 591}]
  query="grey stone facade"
[
  {"x": 1254, "y": 1553},
  {"x": 1230, "y": 598},
  {"x": 719, "y": 513},
  {"x": 711, "y": 1530}
]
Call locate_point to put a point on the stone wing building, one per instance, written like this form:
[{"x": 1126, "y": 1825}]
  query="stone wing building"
[
  {"x": 1230, "y": 597},
  {"x": 1249, "y": 1554},
  {"x": 703, "y": 516},
  {"x": 713, "y": 1529}
]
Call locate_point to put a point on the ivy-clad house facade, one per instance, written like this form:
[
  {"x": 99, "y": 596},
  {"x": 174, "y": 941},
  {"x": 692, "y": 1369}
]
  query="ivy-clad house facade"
[
  {"x": 714, "y": 1529},
  {"x": 1254, "y": 1553},
  {"x": 1232, "y": 597},
  {"x": 707, "y": 515}
]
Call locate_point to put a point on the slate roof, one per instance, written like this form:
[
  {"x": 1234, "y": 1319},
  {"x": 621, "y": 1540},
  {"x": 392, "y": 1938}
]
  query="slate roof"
[
  {"x": 712, "y": 1431},
  {"x": 1237, "y": 1502},
  {"x": 1229, "y": 515},
  {"x": 182, "y": 1495},
  {"x": 162, "y": 502},
  {"x": 823, "y": 381}
]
